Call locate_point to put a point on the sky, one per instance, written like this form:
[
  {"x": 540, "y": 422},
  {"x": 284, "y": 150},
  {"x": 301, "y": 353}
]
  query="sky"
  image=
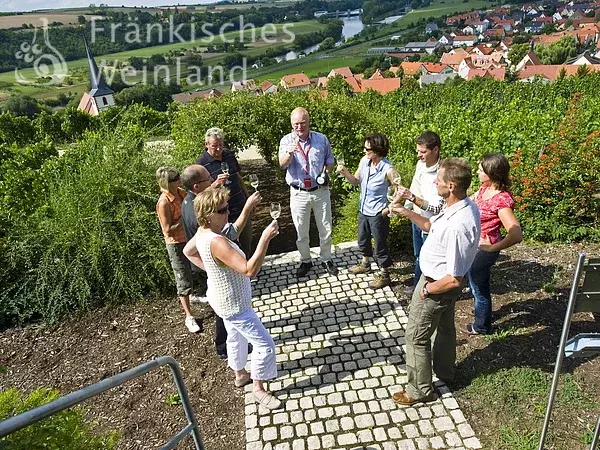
[{"x": 29, "y": 5}]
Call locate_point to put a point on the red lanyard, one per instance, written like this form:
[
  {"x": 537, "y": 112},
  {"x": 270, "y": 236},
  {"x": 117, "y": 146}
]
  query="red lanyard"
[{"x": 306, "y": 169}]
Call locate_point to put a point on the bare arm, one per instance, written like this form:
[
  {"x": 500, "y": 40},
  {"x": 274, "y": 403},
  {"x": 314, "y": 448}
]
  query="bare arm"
[
  {"x": 442, "y": 285},
  {"x": 166, "y": 221},
  {"x": 514, "y": 234},
  {"x": 392, "y": 174},
  {"x": 223, "y": 251},
  {"x": 247, "y": 211},
  {"x": 191, "y": 252},
  {"x": 354, "y": 180},
  {"x": 416, "y": 218}
]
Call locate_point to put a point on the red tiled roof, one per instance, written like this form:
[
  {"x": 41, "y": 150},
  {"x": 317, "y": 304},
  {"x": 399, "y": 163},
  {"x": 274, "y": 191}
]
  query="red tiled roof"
[
  {"x": 295, "y": 80},
  {"x": 354, "y": 84},
  {"x": 377, "y": 75},
  {"x": 434, "y": 67},
  {"x": 551, "y": 72},
  {"x": 453, "y": 60},
  {"x": 266, "y": 85},
  {"x": 410, "y": 68},
  {"x": 490, "y": 72},
  {"x": 343, "y": 71},
  {"x": 383, "y": 86}
]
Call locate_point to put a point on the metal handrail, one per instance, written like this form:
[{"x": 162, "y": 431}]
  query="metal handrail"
[{"x": 27, "y": 418}]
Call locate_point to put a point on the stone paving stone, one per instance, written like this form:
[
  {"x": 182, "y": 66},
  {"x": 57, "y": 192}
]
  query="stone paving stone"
[{"x": 340, "y": 353}]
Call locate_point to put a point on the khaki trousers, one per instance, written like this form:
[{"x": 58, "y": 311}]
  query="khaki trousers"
[{"x": 426, "y": 317}]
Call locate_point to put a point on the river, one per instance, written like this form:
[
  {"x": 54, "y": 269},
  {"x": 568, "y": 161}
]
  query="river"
[{"x": 352, "y": 26}]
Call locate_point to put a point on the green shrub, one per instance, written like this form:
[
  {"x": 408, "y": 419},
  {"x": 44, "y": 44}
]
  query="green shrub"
[
  {"x": 64, "y": 430},
  {"x": 346, "y": 226},
  {"x": 553, "y": 189},
  {"x": 94, "y": 239}
]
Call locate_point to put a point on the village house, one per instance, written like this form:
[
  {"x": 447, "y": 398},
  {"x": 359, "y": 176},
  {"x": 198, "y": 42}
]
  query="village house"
[{"x": 295, "y": 82}]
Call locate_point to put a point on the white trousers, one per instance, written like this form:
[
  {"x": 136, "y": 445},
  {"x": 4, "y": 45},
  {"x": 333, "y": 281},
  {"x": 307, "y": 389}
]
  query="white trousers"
[
  {"x": 301, "y": 204},
  {"x": 247, "y": 327}
]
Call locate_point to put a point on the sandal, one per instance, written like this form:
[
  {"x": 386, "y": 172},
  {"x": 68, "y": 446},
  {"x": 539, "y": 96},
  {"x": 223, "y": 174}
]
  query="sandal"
[
  {"x": 267, "y": 400},
  {"x": 471, "y": 330},
  {"x": 241, "y": 382}
]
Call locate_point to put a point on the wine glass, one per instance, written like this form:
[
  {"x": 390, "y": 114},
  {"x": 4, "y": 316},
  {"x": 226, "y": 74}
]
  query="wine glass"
[
  {"x": 225, "y": 168},
  {"x": 341, "y": 161},
  {"x": 253, "y": 181},
  {"x": 275, "y": 210},
  {"x": 391, "y": 196}
]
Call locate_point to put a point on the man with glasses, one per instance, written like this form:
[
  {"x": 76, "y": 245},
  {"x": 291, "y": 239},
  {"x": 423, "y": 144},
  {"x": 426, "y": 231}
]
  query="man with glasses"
[
  {"x": 215, "y": 154},
  {"x": 196, "y": 179},
  {"x": 306, "y": 155}
]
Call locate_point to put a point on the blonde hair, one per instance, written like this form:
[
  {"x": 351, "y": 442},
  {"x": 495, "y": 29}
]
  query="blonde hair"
[
  {"x": 207, "y": 203},
  {"x": 163, "y": 174},
  {"x": 214, "y": 132}
]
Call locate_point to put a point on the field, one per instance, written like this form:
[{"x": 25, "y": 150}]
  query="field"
[{"x": 35, "y": 19}]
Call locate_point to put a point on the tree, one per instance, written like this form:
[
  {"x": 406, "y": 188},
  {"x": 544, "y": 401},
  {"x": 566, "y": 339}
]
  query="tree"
[
  {"x": 156, "y": 97},
  {"x": 369, "y": 72},
  {"x": 516, "y": 53},
  {"x": 328, "y": 43},
  {"x": 81, "y": 20},
  {"x": 21, "y": 105},
  {"x": 400, "y": 72},
  {"x": 582, "y": 71},
  {"x": 549, "y": 28},
  {"x": 337, "y": 85}
]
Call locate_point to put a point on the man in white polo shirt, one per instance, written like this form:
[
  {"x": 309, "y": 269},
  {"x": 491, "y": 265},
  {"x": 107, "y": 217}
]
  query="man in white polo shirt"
[{"x": 445, "y": 258}]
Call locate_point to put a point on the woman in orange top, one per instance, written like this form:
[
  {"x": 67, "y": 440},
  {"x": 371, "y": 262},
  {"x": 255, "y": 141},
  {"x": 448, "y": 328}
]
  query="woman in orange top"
[{"x": 168, "y": 209}]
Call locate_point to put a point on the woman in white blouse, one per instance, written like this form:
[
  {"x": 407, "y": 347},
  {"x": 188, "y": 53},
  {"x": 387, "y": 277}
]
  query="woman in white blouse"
[{"x": 230, "y": 292}]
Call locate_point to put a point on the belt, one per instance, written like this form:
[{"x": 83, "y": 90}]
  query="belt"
[
  {"x": 298, "y": 188},
  {"x": 429, "y": 280}
]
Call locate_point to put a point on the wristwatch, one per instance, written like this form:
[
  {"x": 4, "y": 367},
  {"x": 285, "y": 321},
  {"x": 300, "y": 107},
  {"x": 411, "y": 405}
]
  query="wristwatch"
[
  {"x": 425, "y": 291},
  {"x": 412, "y": 198}
]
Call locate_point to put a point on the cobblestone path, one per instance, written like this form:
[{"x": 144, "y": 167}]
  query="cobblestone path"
[{"x": 340, "y": 355}]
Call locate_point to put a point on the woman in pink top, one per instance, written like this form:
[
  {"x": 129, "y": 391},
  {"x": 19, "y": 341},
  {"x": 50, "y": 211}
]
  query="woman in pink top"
[{"x": 496, "y": 205}]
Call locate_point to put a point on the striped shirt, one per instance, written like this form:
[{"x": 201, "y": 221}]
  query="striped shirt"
[
  {"x": 423, "y": 186},
  {"x": 452, "y": 242}
]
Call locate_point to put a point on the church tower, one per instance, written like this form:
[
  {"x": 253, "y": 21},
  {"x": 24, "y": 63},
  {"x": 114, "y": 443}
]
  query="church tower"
[{"x": 100, "y": 96}]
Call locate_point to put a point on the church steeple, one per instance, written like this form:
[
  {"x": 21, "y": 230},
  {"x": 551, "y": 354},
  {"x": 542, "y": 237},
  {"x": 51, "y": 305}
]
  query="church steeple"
[
  {"x": 100, "y": 96},
  {"x": 99, "y": 87}
]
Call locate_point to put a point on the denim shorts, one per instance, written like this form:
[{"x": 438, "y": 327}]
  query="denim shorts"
[{"x": 181, "y": 268}]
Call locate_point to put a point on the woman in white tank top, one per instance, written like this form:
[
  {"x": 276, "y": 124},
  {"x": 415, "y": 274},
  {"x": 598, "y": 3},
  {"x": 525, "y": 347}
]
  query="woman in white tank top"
[{"x": 230, "y": 293}]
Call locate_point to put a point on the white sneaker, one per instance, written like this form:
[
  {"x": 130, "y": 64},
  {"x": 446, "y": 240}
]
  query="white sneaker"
[
  {"x": 191, "y": 324},
  {"x": 198, "y": 299}
]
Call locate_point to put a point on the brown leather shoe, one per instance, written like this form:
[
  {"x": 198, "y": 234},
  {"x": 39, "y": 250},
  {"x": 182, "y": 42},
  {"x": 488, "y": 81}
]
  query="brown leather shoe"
[{"x": 402, "y": 398}]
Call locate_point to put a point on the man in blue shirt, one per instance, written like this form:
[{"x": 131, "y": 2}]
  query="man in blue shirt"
[
  {"x": 214, "y": 155},
  {"x": 306, "y": 155}
]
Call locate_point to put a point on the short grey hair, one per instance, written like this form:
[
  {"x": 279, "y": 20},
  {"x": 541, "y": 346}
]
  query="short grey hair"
[{"x": 214, "y": 132}]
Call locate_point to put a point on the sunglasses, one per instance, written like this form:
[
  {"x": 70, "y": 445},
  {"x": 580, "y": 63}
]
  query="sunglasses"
[
  {"x": 223, "y": 210},
  {"x": 367, "y": 149},
  {"x": 174, "y": 178}
]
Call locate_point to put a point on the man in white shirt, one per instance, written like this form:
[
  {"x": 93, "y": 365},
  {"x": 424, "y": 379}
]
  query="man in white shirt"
[
  {"x": 446, "y": 256},
  {"x": 422, "y": 196}
]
